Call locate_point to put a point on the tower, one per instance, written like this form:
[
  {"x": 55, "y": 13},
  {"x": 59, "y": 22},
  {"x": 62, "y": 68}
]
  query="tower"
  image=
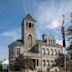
[{"x": 28, "y": 31}]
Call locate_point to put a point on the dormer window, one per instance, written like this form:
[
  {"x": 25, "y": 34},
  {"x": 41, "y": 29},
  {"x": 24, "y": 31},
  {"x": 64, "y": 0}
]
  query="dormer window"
[{"x": 51, "y": 42}]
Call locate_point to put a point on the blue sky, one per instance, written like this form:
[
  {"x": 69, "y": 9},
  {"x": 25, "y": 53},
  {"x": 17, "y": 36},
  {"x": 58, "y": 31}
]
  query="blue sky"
[{"x": 48, "y": 14}]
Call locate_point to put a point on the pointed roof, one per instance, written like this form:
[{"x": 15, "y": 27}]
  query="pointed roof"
[{"x": 29, "y": 17}]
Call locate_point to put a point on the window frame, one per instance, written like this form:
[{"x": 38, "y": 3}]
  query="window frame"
[
  {"x": 30, "y": 40},
  {"x": 17, "y": 51}
]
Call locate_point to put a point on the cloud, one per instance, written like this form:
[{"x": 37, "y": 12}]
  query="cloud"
[
  {"x": 49, "y": 13},
  {"x": 55, "y": 24},
  {"x": 60, "y": 42},
  {"x": 14, "y": 33}
]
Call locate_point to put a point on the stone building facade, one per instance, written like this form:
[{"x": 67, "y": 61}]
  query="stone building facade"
[{"x": 43, "y": 52}]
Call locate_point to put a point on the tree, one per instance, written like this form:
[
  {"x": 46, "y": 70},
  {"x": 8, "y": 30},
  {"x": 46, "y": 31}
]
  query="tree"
[
  {"x": 69, "y": 36},
  {"x": 0, "y": 67},
  {"x": 60, "y": 61},
  {"x": 40, "y": 70},
  {"x": 23, "y": 62}
]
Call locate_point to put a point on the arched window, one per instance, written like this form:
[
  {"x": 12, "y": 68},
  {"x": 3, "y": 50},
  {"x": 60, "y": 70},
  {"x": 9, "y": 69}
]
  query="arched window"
[
  {"x": 49, "y": 42},
  {"x": 56, "y": 52},
  {"x": 43, "y": 62},
  {"x": 47, "y": 62},
  {"x": 43, "y": 51},
  {"x": 30, "y": 40},
  {"x": 47, "y": 51},
  {"x": 52, "y": 52}
]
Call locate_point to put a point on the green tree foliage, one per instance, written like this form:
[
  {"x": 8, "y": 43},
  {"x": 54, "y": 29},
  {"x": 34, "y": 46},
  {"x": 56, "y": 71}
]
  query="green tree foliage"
[
  {"x": 69, "y": 36},
  {"x": 40, "y": 71},
  {"x": 60, "y": 61},
  {"x": 0, "y": 67},
  {"x": 69, "y": 65},
  {"x": 23, "y": 62}
]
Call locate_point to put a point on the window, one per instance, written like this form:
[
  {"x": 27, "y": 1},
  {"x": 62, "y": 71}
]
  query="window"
[
  {"x": 52, "y": 52},
  {"x": 11, "y": 52},
  {"x": 37, "y": 62},
  {"x": 43, "y": 51},
  {"x": 30, "y": 40},
  {"x": 29, "y": 25},
  {"x": 49, "y": 42},
  {"x": 51, "y": 62},
  {"x": 32, "y": 25},
  {"x": 55, "y": 52},
  {"x": 18, "y": 51},
  {"x": 47, "y": 52},
  {"x": 53, "y": 42},
  {"x": 47, "y": 63},
  {"x": 59, "y": 52},
  {"x": 43, "y": 62}
]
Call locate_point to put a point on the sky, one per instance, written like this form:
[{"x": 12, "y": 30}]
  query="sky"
[{"x": 47, "y": 13}]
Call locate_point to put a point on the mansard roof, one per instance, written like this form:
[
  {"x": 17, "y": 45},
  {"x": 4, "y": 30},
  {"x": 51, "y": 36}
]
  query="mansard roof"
[{"x": 29, "y": 17}]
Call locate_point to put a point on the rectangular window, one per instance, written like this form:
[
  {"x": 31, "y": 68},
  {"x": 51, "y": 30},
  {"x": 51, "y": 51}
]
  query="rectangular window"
[
  {"x": 55, "y": 52},
  {"x": 43, "y": 62},
  {"x": 37, "y": 62},
  {"x": 32, "y": 25},
  {"x": 47, "y": 52},
  {"x": 53, "y": 42},
  {"x": 29, "y": 25},
  {"x": 49, "y": 42},
  {"x": 18, "y": 51},
  {"x": 51, "y": 62},
  {"x": 47, "y": 62},
  {"x": 59, "y": 52},
  {"x": 52, "y": 52},
  {"x": 43, "y": 51}
]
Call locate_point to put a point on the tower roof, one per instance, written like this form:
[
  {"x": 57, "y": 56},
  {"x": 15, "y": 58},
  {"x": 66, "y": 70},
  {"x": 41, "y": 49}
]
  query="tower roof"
[{"x": 29, "y": 17}]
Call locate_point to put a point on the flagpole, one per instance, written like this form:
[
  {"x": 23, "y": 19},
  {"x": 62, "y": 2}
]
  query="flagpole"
[{"x": 64, "y": 45}]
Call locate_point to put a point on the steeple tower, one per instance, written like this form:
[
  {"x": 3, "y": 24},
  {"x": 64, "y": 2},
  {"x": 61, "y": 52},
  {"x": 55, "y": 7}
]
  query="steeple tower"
[{"x": 28, "y": 31}]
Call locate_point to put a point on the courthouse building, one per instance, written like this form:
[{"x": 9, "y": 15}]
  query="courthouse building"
[{"x": 43, "y": 52}]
